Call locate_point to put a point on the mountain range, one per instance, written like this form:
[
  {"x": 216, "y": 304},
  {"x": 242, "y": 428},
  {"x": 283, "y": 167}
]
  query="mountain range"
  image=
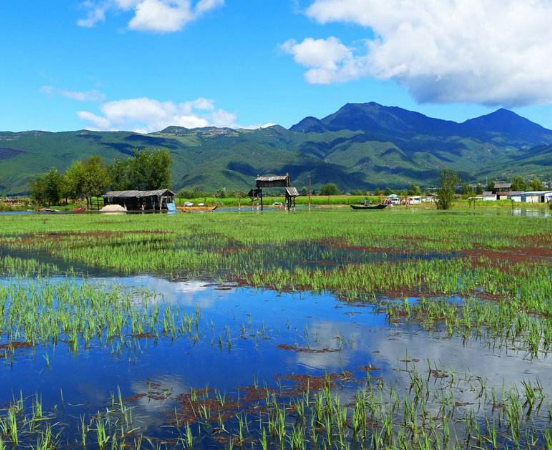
[{"x": 361, "y": 146}]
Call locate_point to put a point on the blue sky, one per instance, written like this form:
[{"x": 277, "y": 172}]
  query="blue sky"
[{"x": 248, "y": 62}]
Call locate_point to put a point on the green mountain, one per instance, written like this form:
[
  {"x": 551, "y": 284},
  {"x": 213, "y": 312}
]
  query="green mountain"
[{"x": 360, "y": 146}]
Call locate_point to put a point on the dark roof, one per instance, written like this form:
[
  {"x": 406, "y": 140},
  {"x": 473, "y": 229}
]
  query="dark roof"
[
  {"x": 275, "y": 178},
  {"x": 503, "y": 185},
  {"x": 138, "y": 194},
  {"x": 292, "y": 192}
]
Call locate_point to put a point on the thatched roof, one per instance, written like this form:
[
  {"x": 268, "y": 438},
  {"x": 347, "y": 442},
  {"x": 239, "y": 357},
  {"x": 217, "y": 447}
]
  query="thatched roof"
[
  {"x": 292, "y": 192},
  {"x": 272, "y": 179},
  {"x": 139, "y": 194}
]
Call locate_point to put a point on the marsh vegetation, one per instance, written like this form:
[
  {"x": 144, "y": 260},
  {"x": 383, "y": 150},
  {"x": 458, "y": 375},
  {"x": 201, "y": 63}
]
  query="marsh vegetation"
[{"x": 329, "y": 329}]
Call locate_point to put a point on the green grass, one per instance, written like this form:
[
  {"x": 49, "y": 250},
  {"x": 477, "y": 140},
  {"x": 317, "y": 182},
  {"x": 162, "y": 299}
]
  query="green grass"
[{"x": 473, "y": 274}]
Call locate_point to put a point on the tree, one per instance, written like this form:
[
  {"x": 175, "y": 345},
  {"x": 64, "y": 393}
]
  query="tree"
[
  {"x": 479, "y": 189},
  {"x": 329, "y": 189},
  {"x": 37, "y": 190},
  {"x": 95, "y": 178},
  {"x": 446, "y": 191},
  {"x": 47, "y": 188},
  {"x": 536, "y": 185},
  {"x": 150, "y": 170},
  {"x": 490, "y": 186},
  {"x": 466, "y": 190},
  {"x": 519, "y": 184},
  {"x": 119, "y": 174},
  {"x": 387, "y": 191},
  {"x": 73, "y": 181},
  {"x": 414, "y": 190}
]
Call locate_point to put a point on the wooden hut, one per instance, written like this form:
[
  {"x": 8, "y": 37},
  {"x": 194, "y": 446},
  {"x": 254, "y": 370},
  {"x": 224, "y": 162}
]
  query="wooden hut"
[
  {"x": 278, "y": 181},
  {"x": 140, "y": 200}
]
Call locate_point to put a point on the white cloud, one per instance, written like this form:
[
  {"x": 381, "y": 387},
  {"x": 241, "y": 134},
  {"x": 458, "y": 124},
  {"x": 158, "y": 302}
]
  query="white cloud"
[
  {"x": 326, "y": 58},
  {"x": 100, "y": 123},
  {"x": 258, "y": 126},
  {"x": 157, "y": 16},
  {"x": 492, "y": 52},
  {"x": 148, "y": 115},
  {"x": 95, "y": 13},
  {"x": 80, "y": 96}
]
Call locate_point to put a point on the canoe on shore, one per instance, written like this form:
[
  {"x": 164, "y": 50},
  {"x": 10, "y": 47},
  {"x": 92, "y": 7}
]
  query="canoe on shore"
[
  {"x": 196, "y": 208},
  {"x": 48, "y": 210},
  {"x": 369, "y": 207}
]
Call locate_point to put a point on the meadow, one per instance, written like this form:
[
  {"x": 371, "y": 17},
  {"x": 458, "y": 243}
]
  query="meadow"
[{"x": 402, "y": 328}]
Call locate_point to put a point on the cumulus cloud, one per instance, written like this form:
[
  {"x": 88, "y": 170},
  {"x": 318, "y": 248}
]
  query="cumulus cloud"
[
  {"x": 491, "y": 52},
  {"x": 328, "y": 60},
  {"x": 148, "y": 115},
  {"x": 157, "y": 16},
  {"x": 80, "y": 96}
]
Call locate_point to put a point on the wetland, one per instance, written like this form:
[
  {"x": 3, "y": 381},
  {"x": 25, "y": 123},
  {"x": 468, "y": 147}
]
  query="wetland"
[{"x": 328, "y": 329}]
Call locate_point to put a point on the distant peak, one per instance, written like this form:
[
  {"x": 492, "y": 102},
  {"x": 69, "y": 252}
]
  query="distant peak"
[
  {"x": 172, "y": 129},
  {"x": 505, "y": 112}
]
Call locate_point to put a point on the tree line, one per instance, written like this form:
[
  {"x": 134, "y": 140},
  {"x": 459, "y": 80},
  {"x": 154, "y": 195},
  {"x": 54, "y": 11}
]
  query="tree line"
[{"x": 84, "y": 179}]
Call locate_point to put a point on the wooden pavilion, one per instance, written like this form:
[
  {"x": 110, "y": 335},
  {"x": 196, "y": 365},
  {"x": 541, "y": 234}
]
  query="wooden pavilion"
[{"x": 278, "y": 181}]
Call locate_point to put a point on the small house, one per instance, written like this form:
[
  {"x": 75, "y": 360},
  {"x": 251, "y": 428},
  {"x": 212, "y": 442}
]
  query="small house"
[
  {"x": 156, "y": 200},
  {"x": 501, "y": 190},
  {"x": 515, "y": 196},
  {"x": 429, "y": 198},
  {"x": 489, "y": 196}
]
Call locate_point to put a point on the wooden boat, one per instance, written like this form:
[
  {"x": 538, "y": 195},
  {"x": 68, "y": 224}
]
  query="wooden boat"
[
  {"x": 80, "y": 209},
  {"x": 48, "y": 210},
  {"x": 368, "y": 206},
  {"x": 196, "y": 208}
]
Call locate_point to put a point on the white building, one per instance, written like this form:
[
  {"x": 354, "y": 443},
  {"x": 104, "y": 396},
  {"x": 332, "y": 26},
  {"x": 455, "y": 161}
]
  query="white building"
[{"x": 531, "y": 196}]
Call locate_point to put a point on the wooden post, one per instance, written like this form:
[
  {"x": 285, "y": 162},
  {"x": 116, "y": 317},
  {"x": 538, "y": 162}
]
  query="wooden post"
[
  {"x": 310, "y": 191},
  {"x": 261, "y": 193}
]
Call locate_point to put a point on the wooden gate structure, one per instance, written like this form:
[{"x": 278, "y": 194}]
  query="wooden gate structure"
[{"x": 278, "y": 181}]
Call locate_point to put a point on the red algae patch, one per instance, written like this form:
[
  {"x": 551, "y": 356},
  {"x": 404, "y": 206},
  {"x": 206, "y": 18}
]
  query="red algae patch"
[
  {"x": 509, "y": 255},
  {"x": 142, "y": 336},
  {"x": 306, "y": 349},
  {"x": 305, "y": 383},
  {"x": 135, "y": 397},
  {"x": 16, "y": 345}
]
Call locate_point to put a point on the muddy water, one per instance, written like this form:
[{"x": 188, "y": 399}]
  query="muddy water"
[{"x": 273, "y": 336}]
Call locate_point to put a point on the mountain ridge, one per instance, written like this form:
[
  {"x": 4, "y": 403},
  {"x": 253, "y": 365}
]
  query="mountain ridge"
[{"x": 361, "y": 145}]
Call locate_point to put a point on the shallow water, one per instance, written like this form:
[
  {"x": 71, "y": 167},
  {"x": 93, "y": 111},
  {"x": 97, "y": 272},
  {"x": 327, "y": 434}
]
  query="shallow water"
[{"x": 323, "y": 335}]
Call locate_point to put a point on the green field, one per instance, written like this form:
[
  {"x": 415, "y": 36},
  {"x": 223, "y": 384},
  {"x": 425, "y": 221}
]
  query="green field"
[{"x": 465, "y": 281}]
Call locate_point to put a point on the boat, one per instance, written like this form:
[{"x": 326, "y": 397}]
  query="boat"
[
  {"x": 48, "y": 210},
  {"x": 80, "y": 209},
  {"x": 368, "y": 206},
  {"x": 196, "y": 208}
]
